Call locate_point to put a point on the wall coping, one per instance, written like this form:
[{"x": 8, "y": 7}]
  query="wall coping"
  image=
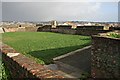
[{"x": 37, "y": 70}]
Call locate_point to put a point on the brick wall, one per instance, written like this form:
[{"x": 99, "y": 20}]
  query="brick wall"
[
  {"x": 105, "y": 57},
  {"x": 22, "y": 67}
]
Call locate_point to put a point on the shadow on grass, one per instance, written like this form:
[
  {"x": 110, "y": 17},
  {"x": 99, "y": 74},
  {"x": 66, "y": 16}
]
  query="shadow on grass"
[{"x": 48, "y": 54}]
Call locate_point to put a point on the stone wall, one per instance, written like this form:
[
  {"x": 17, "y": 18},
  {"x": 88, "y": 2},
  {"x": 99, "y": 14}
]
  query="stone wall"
[
  {"x": 105, "y": 57},
  {"x": 22, "y": 67},
  {"x": 66, "y": 29},
  {"x": 54, "y": 30},
  {"x": 31, "y": 29},
  {"x": 90, "y": 32},
  {"x": 10, "y": 29},
  {"x": 114, "y": 28},
  {"x": 45, "y": 28},
  {"x": 20, "y": 29},
  {"x": 90, "y": 27},
  {"x": 79, "y": 31}
]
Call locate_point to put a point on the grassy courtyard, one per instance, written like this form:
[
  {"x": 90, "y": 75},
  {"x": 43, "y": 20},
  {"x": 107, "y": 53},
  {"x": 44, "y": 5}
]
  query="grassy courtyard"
[{"x": 43, "y": 46}]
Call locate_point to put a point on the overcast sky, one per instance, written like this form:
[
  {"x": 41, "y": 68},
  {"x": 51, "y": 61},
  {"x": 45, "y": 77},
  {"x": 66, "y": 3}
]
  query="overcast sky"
[
  {"x": 0, "y": 11},
  {"x": 119, "y": 11},
  {"x": 61, "y": 11},
  {"x": 60, "y": 0}
]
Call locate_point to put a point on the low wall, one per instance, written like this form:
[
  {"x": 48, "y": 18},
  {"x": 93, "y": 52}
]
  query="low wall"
[
  {"x": 31, "y": 29},
  {"x": 105, "y": 57},
  {"x": 64, "y": 31},
  {"x": 92, "y": 27},
  {"x": 21, "y": 67},
  {"x": 86, "y": 32},
  {"x": 67, "y": 31},
  {"x": 64, "y": 26},
  {"x": 54, "y": 30},
  {"x": 21, "y": 29},
  {"x": 90, "y": 32},
  {"x": 45, "y": 28},
  {"x": 114, "y": 28},
  {"x": 8, "y": 29}
]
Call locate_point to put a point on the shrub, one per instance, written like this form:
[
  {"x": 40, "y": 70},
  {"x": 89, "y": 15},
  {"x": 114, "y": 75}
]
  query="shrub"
[
  {"x": 4, "y": 73},
  {"x": 114, "y": 35}
]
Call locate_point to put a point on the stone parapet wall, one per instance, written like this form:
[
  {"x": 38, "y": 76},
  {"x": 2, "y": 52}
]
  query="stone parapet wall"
[
  {"x": 21, "y": 29},
  {"x": 90, "y": 32},
  {"x": 59, "y": 29},
  {"x": 79, "y": 31},
  {"x": 67, "y": 31},
  {"x": 31, "y": 29},
  {"x": 91, "y": 27},
  {"x": 105, "y": 57},
  {"x": 10, "y": 29},
  {"x": 45, "y": 28},
  {"x": 22, "y": 67}
]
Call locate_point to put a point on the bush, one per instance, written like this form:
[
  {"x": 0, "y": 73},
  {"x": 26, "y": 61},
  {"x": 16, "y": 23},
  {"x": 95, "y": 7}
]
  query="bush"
[
  {"x": 114, "y": 35},
  {"x": 4, "y": 73}
]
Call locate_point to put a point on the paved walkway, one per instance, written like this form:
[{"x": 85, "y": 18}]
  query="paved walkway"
[{"x": 74, "y": 63}]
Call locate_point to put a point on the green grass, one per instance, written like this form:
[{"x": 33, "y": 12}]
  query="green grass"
[{"x": 44, "y": 46}]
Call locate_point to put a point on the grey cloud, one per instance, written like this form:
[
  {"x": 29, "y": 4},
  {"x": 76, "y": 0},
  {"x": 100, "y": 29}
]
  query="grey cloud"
[
  {"x": 45, "y": 11},
  {"x": 60, "y": 0},
  {"x": 119, "y": 11},
  {"x": 0, "y": 11}
]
